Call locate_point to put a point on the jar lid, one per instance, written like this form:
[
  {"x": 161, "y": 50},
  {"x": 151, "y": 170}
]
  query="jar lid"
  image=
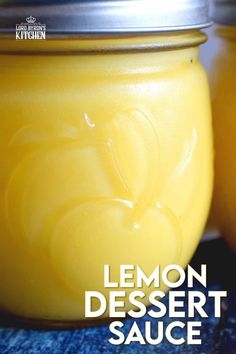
[
  {"x": 105, "y": 16},
  {"x": 224, "y": 12}
]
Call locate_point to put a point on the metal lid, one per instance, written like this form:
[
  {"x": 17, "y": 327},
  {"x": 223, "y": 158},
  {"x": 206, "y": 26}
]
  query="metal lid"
[
  {"x": 106, "y": 16},
  {"x": 224, "y": 12}
]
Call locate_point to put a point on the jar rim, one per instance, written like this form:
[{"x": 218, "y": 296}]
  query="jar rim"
[
  {"x": 104, "y": 45},
  {"x": 105, "y": 16}
]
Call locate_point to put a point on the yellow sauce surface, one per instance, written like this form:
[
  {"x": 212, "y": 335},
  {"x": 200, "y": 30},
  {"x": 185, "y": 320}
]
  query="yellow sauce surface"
[
  {"x": 105, "y": 159},
  {"x": 223, "y": 83}
]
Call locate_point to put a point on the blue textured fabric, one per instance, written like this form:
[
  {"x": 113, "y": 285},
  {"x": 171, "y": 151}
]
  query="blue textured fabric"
[{"x": 218, "y": 335}]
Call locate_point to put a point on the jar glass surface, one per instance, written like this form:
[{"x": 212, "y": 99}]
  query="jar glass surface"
[
  {"x": 223, "y": 81},
  {"x": 106, "y": 159}
]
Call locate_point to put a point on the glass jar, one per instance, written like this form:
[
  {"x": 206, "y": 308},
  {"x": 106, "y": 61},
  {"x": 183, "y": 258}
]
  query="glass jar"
[
  {"x": 106, "y": 147},
  {"x": 223, "y": 82}
]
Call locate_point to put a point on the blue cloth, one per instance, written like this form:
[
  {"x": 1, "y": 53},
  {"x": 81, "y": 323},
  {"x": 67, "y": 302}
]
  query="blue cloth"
[{"x": 218, "y": 335}]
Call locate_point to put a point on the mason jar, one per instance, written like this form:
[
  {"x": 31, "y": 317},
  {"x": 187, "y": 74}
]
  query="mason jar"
[
  {"x": 223, "y": 83},
  {"x": 106, "y": 147}
]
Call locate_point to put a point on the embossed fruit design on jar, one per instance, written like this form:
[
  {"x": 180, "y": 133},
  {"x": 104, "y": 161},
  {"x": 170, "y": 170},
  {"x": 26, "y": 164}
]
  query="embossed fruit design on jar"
[{"x": 106, "y": 157}]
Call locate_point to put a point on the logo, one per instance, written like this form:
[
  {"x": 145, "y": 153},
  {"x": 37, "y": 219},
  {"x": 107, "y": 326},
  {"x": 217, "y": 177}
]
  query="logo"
[
  {"x": 30, "y": 29},
  {"x": 31, "y": 19}
]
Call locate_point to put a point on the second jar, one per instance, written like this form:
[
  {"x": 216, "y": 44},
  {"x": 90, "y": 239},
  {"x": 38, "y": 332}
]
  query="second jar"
[{"x": 223, "y": 83}]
